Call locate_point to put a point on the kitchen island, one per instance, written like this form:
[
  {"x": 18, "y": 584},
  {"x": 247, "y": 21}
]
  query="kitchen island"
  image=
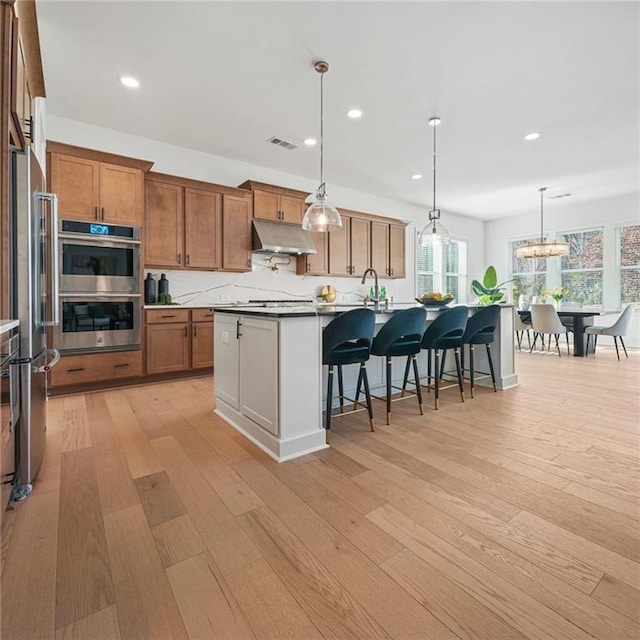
[{"x": 269, "y": 380}]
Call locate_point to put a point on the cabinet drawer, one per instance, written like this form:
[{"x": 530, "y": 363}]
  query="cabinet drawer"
[
  {"x": 95, "y": 367},
  {"x": 202, "y": 315},
  {"x": 162, "y": 316}
]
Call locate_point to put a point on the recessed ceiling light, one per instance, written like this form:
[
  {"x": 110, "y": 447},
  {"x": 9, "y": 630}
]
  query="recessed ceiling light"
[
  {"x": 355, "y": 113},
  {"x": 532, "y": 136},
  {"x": 416, "y": 176},
  {"x": 127, "y": 81},
  {"x": 310, "y": 142}
]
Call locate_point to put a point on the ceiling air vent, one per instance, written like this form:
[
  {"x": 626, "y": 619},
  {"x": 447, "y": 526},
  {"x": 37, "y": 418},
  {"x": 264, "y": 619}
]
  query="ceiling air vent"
[
  {"x": 282, "y": 143},
  {"x": 560, "y": 195}
]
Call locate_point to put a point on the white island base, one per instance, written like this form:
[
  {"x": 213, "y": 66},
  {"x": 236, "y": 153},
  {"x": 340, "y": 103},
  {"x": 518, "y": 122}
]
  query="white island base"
[
  {"x": 270, "y": 382},
  {"x": 267, "y": 381}
]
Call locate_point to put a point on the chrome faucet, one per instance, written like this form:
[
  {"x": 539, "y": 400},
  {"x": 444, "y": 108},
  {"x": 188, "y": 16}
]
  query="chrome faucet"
[{"x": 376, "y": 295}]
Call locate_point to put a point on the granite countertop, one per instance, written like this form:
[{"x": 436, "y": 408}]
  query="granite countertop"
[{"x": 7, "y": 325}]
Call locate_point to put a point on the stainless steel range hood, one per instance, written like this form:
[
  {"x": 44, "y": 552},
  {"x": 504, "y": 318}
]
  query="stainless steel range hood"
[{"x": 280, "y": 237}]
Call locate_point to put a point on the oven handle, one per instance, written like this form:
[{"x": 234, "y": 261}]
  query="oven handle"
[
  {"x": 106, "y": 241},
  {"x": 55, "y": 260},
  {"x": 82, "y": 296},
  {"x": 47, "y": 367}
]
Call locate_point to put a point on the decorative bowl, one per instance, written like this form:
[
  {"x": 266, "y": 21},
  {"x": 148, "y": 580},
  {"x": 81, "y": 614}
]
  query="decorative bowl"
[{"x": 430, "y": 301}]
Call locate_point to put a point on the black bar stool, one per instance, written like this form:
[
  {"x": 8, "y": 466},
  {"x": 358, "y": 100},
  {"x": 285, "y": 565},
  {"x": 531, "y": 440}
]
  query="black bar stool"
[
  {"x": 347, "y": 340},
  {"x": 481, "y": 329},
  {"x": 444, "y": 333},
  {"x": 401, "y": 336}
]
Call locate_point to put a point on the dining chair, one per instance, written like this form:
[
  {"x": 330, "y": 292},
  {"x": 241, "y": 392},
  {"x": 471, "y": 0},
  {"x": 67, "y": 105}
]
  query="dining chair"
[
  {"x": 618, "y": 329},
  {"x": 545, "y": 321},
  {"x": 520, "y": 327},
  {"x": 347, "y": 340}
]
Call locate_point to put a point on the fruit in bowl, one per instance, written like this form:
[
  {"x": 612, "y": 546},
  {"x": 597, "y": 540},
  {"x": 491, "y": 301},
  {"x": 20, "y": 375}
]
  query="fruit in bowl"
[{"x": 434, "y": 299}]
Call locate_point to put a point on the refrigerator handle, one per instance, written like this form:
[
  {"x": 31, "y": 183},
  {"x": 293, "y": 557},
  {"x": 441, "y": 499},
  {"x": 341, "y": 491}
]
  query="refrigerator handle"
[
  {"x": 55, "y": 260},
  {"x": 47, "y": 367}
]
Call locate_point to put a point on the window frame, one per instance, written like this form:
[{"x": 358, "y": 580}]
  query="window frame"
[
  {"x": 619, "y": 268},
  {"x": 442, "y": 274}
]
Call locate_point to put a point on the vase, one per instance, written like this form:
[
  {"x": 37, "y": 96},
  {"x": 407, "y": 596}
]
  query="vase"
[{"x": 557, "y": 304}]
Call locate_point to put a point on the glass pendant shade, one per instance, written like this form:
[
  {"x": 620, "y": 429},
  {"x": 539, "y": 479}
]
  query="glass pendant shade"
[
  {"x": 321, "y": 215},
  {"x": 434, "y": 231},
  {"x": 542, "y": 249}
]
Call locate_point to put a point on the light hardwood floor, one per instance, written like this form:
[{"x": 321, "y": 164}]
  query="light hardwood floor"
[{"x": 514, "y": 515}]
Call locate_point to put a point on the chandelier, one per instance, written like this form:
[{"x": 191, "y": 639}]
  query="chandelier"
[
  {"x": 434, "y": 231},
  {"x": 321, "y": 214},
  {"x": 542, "y": 249}
]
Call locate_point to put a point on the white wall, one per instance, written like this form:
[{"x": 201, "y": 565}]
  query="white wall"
[
  {"x": 606, "y": 214},
  {"x": 261, "y": 283}
]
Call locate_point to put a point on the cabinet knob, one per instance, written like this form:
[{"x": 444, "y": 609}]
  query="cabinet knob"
[
  {"x": 188, "y": 259},
  {"x": 102, "y": 218},
  {"x": 96, "y": 212},
  {"x": 120, "y": 365},
  {"x": 179, "y": 258},
  {"x": 186, "y": 332},
  {"x": 195, "y": 329}
]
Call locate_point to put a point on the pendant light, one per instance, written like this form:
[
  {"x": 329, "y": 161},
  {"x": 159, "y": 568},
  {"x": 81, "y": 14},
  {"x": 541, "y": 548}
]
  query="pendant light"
[
  {"x": 434, "y": 231},
  {"x": 321, "y": 214},
  {"x": 542, "y": 249}
]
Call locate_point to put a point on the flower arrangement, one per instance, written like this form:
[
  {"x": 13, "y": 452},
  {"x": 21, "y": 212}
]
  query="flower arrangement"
[{"x": 557, "y": 293}]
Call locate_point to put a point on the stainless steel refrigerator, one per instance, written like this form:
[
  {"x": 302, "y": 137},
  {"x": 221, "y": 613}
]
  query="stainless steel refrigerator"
[{"x": 33, "y": 250}]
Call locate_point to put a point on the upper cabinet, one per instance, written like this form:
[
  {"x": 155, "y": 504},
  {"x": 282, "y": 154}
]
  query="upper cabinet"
[
  {"x": 96, "y": 186},
  {"x": 186, "y": 221},
  {"x": 388, "y": 249},
  {"x": 276, "y": 203}
]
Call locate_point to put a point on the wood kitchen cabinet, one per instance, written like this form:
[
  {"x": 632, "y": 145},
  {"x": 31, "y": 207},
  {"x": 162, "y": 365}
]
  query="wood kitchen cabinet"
[
  {"x": 168, "y": 340},
  {"x": 315, "y": 264},
  {"x": 183, "y": 226},
  {"x": 350, "y": 248},
  {"x": 97, "y": 186},
  {"x": 84, "y": 368},
  {"x": 388, "y": 249},
  {"x": 178, "y": 340},
  {"x": 196, "y": 225},
  {"x": 201, "y": 338},
  {"x": 271, "y": 202},
  {"x": 236, "y": 230}
]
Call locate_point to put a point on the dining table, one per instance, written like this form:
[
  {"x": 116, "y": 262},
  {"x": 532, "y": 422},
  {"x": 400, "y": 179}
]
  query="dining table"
[{"x": 580, "y": 319}]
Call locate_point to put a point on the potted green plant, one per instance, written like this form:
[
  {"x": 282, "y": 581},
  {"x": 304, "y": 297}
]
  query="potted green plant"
[{"x": 489, "y": 291}]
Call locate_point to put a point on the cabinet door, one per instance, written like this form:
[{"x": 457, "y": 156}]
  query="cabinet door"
[
  {"x": 201, "y": 345},
  {"x": 168, "y": 347},
  {"x": 259, "y": 372},
  {"x": 360, "y": 246},
  {"x": 397, "y": 251},
  {"x": 292, "y": 209},
  {"x": 163, "y": 225},
  {"x": 76, "y": 181},
  {"x": 315, "y": 264},
  {"x": 266, "y": 205},
  {"x": 203, "y": 229},
  {"x": 120, "y": 194},
  {"x": 226, "y": 345},
  {"x": 380, "y": 248},
  {"x": 236, "y": 227},
  {"x": 339, "y": 256}
]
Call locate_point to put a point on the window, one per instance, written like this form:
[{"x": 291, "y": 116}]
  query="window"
[
  {"x": 442, "y": 268},
  {"x": 529, "y": 274},
  {"x": 581, "y": 271},
  {"x": 629, "y": 263}
]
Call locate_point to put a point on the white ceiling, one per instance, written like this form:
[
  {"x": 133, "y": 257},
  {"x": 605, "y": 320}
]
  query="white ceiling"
[{"x": 223, "y": 77}]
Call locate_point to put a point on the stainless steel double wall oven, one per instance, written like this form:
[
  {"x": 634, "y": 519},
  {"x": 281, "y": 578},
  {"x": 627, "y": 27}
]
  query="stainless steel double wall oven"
[{"x": 99, "y": 299}]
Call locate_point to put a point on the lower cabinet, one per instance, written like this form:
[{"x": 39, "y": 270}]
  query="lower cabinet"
[
  {"x": 86, "y": 368},
  {"x": 178, "y": 340},
  {"x": 247, "y": 367}
]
